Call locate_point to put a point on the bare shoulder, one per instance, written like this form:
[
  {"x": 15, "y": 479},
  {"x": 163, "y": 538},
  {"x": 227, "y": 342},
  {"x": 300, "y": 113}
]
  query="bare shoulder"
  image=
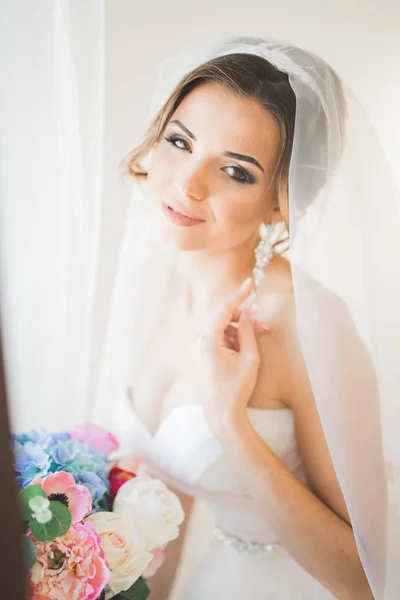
[
  {"x": 281, "y": 353},
  {"x": 280, "y": 356},
  {"x": 275, "y": 296}
]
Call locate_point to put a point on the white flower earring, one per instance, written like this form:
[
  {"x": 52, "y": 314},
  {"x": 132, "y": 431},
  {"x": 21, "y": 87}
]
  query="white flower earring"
[
  {"x": 264, "y": 251},
  {"x": 263, "y": 254}
]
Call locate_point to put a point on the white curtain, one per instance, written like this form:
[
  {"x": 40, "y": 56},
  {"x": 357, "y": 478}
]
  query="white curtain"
[{"x": 51, "y": 137}]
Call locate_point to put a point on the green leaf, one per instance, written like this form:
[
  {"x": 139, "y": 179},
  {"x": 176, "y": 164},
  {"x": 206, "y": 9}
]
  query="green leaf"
[
  {"x": 63, "y": 516},
  {"x": 56, "y": 527},
  {"x": 28, "y": 552},
  {"x": 44, "y": 532},
  {"x": 103, "y": 503},
  {"x": 138, "y": 591},
  {"x": 25, "y": 496}
]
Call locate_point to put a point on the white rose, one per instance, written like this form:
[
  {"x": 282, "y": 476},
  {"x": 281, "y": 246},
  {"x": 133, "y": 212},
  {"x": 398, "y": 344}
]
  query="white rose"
[
  {"x": 156, "y": 510},
  {"x": 124, "y": 547}
]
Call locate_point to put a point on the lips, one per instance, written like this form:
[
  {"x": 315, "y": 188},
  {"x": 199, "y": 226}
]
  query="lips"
[
  {"x": 179, "y": 219},
  {"x": 180, "y": 209}
]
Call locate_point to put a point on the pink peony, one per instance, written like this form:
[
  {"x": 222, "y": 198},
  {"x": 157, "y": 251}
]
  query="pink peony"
[
  {"x": 61, "y": 486},
  {"x": 97, "y": 437},
  {"x": 71, "y": 567}
]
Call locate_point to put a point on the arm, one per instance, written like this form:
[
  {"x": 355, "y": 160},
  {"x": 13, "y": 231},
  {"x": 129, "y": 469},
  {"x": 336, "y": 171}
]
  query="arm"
[
  {"x": 319, "y": 539},
  {"x": 313, "y": 526},
  {"x": 162, "y": 582}
]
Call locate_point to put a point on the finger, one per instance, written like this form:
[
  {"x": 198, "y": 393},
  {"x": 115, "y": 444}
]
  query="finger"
[
  {"x": 232, "y": 330},
  {"x": 231, "y": 339},
  {"x": 238, "y": 311},
  {"x": 230, "y": 306},
  {"x": 259, "y": 327},
  {"x": 247, "y": 337},
  {"x": 231, "y": 343},
  {"x": 236, "y": 314}
]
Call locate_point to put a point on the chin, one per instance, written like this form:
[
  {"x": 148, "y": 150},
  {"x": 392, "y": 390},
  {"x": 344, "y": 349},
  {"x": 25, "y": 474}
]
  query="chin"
[
  {"x": 182, "y": 241},
  {"x": 182, "y": 238}
]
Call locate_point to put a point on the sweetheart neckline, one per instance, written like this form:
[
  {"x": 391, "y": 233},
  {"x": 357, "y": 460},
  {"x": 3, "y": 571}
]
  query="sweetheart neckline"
[{"x": 196, "y": 406}]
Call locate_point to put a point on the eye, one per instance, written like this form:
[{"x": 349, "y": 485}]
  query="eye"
[
  {"x": 178, "y": 142},
  {"x": 239, "y": 174}
]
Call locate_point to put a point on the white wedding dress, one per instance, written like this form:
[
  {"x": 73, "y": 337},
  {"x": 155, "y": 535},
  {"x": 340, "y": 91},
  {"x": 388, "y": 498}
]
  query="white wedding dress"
[{"x": 184, "y": 453}]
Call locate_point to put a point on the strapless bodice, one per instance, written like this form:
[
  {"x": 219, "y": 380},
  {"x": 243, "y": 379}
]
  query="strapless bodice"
[{"x": 185, "y": 454}]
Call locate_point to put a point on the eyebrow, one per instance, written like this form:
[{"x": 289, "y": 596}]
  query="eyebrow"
[{"x": 243, "y": 157}]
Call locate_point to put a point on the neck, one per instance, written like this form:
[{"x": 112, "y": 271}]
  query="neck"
[{"x": 209, "y": 276}]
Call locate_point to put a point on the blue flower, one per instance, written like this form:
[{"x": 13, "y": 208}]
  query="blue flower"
[
  {"x": 95, "y": 485},
  {"x": 64, "y": 453},
  {"x": 31, "y": 461},
  {"x": 76, "y": 457},
  {"x": 39, "y": 453},
  {"x": 42, "y": 437}
]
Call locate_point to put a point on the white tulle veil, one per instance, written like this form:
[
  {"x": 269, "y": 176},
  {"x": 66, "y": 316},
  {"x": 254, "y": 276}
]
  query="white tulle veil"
[{"x": 344, "y": 217}]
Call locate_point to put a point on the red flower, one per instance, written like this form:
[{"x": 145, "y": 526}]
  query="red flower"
[{"x": 117, "y": 477}]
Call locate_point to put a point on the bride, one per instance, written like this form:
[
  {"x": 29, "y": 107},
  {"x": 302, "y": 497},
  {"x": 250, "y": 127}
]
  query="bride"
[{"x": 244, "y": 377}]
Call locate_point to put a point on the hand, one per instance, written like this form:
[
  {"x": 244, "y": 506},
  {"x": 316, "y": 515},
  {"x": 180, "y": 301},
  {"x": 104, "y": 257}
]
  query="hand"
[{"x": 228, "y": 364}]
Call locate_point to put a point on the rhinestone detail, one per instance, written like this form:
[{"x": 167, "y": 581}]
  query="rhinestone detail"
[{"x": 242, "y": 546}]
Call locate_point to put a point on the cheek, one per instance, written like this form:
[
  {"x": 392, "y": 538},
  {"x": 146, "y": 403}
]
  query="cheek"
[
  {"x": 153, "y": 175},
  {"x": 237, "y": 213},
  {"x": 168, "y": 157},
  {"x": 160, "y": 171}
]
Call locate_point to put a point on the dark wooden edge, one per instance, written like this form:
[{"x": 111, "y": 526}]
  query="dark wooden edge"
[{"x": 11, "y": 570}]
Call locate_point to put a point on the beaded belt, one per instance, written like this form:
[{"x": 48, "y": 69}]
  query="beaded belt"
[{"x": 242, "y": 546}]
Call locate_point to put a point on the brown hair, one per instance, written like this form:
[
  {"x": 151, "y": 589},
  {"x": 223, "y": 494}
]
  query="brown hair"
[{"x": 245, "y": 75}]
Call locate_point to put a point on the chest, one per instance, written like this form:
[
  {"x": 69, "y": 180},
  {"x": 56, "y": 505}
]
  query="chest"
[
  {"x": 165, "y": 353},
  {"x": 164, "y": 350}
]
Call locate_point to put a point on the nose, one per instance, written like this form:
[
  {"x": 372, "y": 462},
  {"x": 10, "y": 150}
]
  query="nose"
[{"x": 191, "y": 183}]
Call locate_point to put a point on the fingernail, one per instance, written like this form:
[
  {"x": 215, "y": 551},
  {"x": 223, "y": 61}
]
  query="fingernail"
[
  {"x": 246, "y": 282},
  {"x": 264, "y": 330},
  {"x": 260, "y": 333},
  {"x": 260, "y": 327}
]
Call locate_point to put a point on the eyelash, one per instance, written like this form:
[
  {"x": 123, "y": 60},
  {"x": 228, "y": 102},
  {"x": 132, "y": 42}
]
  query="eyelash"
[{"x": 246, "y": 178}]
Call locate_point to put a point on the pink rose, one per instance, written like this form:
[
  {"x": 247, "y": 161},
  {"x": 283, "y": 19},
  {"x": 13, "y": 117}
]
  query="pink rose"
[
  {"x": 71, "y": 567},
  {"x": 97, "y": 437}
]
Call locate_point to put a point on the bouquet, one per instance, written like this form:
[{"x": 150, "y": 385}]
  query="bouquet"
[{"x": 91, "y": 530}]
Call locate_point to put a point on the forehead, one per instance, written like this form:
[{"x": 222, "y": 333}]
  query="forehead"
[{"x": 225, "y": 121}]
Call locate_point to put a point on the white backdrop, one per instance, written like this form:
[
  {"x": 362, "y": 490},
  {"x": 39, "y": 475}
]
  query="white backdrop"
[
  {"x": 360, "y": 38},
  {"x": 51, "y": 118}
]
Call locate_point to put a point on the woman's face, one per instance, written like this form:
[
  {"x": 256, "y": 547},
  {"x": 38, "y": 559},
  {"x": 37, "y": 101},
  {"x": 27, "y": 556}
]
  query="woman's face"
[{"x": 215, "y": 161}]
